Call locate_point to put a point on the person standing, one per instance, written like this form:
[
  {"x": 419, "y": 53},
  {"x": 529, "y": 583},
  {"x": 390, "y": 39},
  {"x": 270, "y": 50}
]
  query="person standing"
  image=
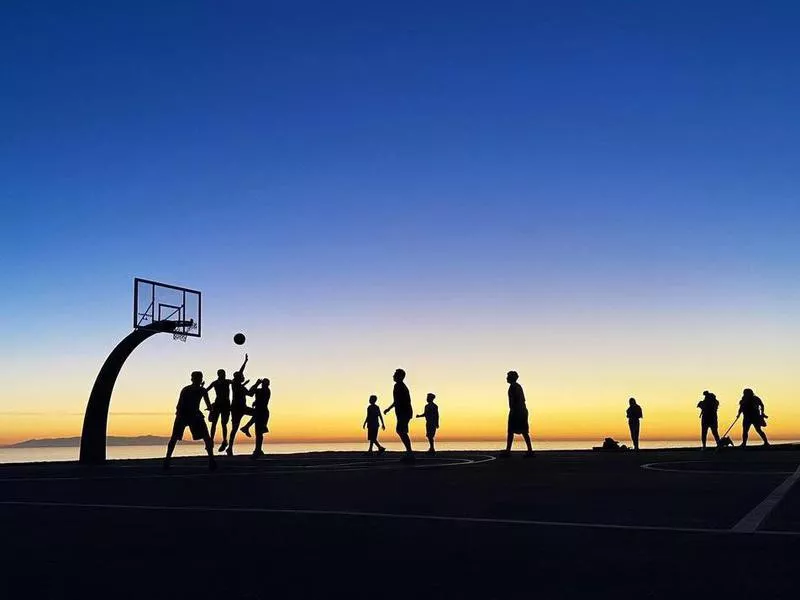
[
  {"x": 517, "y": 414},
  {"x": 431, "y": 414},
  {"x": 709, "y": 406},
  {"x": 752, "y": 409},
  {"x": 187, "y": 414},
  {"x": 402, "y": 409},
  {"x": 634, "y": 414},
  {"x": 371, "y": 422}
]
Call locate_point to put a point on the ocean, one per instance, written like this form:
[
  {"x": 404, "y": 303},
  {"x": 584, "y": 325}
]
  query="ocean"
[{"x": 29, "y": 455}]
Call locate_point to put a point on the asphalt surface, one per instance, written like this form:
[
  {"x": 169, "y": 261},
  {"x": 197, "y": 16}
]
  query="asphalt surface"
[{"x": 657, "y": 524}]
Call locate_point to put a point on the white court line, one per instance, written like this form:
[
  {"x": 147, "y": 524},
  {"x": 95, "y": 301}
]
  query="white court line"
[
  {"x": 752, "y": 520},
  {"x": 292, "y": 469},
  {"x": 657, "y": 466},
  {"x": 395, "y": 516}
]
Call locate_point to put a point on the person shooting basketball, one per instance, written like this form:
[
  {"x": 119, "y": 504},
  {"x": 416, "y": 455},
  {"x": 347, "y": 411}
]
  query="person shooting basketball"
[{"x": 239, "y": 406}]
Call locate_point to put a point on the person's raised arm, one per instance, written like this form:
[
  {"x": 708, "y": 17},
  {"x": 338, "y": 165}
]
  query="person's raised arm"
[
  {"x": 252, "y": 390},
  {"x": 244, "y": 364}
]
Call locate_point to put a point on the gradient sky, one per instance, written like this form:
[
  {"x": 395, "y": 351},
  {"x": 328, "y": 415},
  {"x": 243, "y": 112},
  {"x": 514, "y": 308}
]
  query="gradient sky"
[{"x": 601, "y": 195}]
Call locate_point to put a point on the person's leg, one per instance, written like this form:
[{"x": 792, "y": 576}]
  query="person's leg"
[
  {"x": 509, "y": 440},
  {"x": 224, "y": 443},
  {"x": 235, "y": 420},
  {"x": 703, "y": 434},
  {"x": 760, "y": 432},
  {"x": 526, "y": 436},
  {"x": 715, "y": 433},
  {"x": 171, "y": 447},
  {"x": 430, "y": 443},
  {"x": 210, "y": 451},
  {"x": 745, "y": 431},
  {"x": 213, "y": 428},
  {"x": 177, "y": 433},
  {"x": 246, "y": 429},
  {"x": 406, "y": 441},
  {"x": 259, "y": 443},
  {"x": 636, "y": 435},
  {"x": 371, "y": 442}
]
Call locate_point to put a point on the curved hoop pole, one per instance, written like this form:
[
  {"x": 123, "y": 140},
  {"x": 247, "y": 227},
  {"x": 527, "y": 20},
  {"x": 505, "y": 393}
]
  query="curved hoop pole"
[{"x": 95, "y": 420}]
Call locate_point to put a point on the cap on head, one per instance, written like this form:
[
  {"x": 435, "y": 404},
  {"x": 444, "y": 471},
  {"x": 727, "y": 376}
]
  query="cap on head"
[
  {"x": 431, "y": 397},
  {"x": 373, "y": 399}
]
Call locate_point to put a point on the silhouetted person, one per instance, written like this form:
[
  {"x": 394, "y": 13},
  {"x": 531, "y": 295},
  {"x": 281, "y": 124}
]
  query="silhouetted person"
[
  {"x": 260, "y": 413},
  {"x": 265, "y": 389},
  {"x": 187, "y": 414},
  {"x": 402, "y": 409},
  {"x": 239, "y": 406},
  {"x": 708, "y": 406},
  {"x": 752, "y": 410},
  {"x": 371, "y": 422},
  {"x": 221, "y": 407},
  {"x": 517, "y": 414},
  {"x": 634, "y": 414},
  {"x": 431, "y": 414}
]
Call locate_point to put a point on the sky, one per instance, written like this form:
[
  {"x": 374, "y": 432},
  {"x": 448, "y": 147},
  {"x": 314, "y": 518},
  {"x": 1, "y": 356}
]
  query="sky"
[{"x": 602, "y": 196}]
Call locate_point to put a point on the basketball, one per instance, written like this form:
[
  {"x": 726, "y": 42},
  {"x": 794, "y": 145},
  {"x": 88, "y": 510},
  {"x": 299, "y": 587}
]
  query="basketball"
[{"x": 238, "y": 339}]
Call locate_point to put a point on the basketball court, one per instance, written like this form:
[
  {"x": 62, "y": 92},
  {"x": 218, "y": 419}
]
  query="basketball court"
[
  {"x": 346, "y": 524},
  {"x": 655, "y": 524}
]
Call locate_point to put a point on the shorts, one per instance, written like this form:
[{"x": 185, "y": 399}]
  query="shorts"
[
  {"x": 196, "y": 424},
  {"x": 430, "y": 431},
  {"x": 754, "y": 420},
  {"x": 710, "y": 422},
  {"x": 372, "y": 434},
  {"x": 238, "y": 413},
  {"x": 402, "y": 423},
  {"x": 222, "y": 413},
  {"x": 262, "y": 419},
  {"x": 518, "y": 421}
]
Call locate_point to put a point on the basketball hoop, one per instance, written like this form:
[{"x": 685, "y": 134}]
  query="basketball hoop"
[{"x": 182, "y": 336}]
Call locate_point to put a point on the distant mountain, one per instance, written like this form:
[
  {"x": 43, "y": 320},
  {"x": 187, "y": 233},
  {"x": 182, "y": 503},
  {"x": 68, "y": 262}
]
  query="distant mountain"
[{"x": 75, "y": 442}]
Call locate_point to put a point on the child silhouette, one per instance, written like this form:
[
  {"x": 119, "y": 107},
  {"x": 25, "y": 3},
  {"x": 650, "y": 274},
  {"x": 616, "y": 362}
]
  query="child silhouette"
[{"x": 374, "y": 417}]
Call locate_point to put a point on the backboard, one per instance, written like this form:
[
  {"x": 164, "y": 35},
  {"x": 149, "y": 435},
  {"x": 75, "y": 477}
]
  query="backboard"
[{"x": 154, "y": 302}]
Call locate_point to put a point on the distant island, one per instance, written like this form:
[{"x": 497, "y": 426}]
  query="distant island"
[{"x": 75, "y": 442}]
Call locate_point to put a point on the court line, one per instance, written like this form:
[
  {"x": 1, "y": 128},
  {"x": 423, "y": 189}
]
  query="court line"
[
  {"x": 753, "y": 520},
  {"x": 656, "y": 466},
  {"x": 391, "y": 516},
  {"x": 376, "y": 466}
]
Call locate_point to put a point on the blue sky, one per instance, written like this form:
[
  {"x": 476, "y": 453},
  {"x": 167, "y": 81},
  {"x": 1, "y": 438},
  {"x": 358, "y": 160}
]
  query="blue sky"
[{"x": 404, "y": 164}]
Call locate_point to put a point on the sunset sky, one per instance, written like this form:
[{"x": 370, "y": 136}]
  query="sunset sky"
[{"x": 600, "y": 195}]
